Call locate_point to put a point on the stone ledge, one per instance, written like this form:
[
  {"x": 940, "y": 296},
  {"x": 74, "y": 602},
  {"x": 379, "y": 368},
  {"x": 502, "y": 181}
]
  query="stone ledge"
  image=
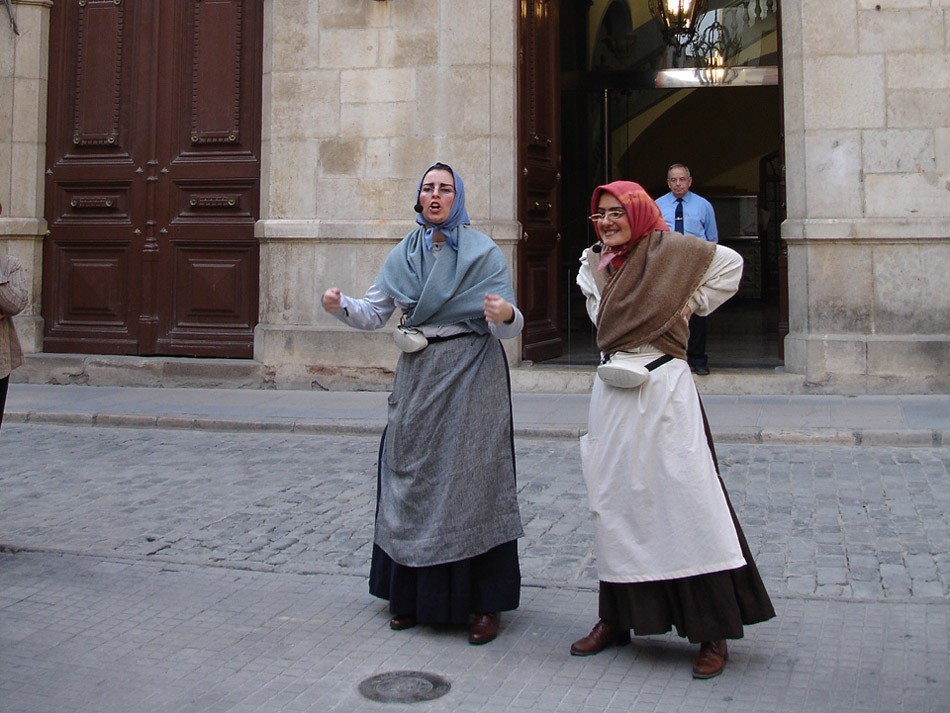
[
  {"x": 159, "y": 372},
  {"x": 176, "y": 372}
]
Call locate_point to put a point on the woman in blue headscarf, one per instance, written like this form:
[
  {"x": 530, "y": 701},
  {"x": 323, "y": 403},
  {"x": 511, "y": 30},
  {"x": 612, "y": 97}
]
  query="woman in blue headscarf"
[{"x": 447, "y": 521}]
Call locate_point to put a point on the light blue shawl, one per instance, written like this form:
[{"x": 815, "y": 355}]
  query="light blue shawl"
[{"x": 448, "y": 288}]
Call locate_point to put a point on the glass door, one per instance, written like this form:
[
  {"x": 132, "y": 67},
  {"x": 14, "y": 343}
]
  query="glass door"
[{"x": 631, "y": 105}]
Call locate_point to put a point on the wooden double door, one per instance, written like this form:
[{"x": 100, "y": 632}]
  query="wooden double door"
[{"x": 153, "y": 177}]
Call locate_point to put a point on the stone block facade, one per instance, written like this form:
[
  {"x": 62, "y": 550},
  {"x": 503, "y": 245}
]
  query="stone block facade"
[
  {"x": 867, "y": 106},
  {"x": 393, "y": 86},
  {"x": 361, "y": 95},
  {"x": 23, "y": 81}
]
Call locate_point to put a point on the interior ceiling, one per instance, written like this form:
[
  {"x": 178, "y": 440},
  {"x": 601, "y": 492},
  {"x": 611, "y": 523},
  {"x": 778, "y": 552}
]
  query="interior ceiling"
[{"x": 737, "y": 121}]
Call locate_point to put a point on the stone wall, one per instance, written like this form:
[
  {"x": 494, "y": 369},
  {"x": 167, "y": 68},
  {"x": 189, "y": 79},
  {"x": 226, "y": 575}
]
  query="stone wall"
[
  {"x": 359, "y": 98},
  {"x": 23, "y": 80},
  {"x": 867, "y": 112}
]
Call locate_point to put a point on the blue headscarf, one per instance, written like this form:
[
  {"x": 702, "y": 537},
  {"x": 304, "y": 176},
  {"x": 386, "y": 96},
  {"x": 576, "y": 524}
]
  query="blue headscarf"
[
  {"x": 457, "y": 216},
  {"x": 450, "y": 289}
]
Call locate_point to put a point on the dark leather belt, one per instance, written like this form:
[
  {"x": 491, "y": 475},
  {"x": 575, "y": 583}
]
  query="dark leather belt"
[
  {"x": 658, "y": 362},
  {"x": 433, "y": 340}
]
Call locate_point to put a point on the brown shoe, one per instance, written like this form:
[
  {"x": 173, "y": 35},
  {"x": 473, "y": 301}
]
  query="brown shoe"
[
  {"x": 600, "y": 637},
  {"x": 711, "y": 660},
  {"x": 402, "y": 621},
  {"x": 483, "y": 629}
]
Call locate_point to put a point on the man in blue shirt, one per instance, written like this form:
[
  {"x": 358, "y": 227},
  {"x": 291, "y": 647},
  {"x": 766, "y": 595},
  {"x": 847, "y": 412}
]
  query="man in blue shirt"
[{"x": 690, "y": 214}]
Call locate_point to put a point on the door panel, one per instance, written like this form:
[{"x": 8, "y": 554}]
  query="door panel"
[
  {"x": 153, "y": 177},
  {"x": 92, "y": 190},
  {"x": 209, "y": 178},
  {"x": 539, "y": 178},
  {"x": 91, "y": 299}
]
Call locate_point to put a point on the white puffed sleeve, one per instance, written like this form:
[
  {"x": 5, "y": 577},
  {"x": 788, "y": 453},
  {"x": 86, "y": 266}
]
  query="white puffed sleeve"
[
  {"x": 585, "y": 280},
  {"x": 371, "y": 312},
  {"x": 720, "y": 282}
]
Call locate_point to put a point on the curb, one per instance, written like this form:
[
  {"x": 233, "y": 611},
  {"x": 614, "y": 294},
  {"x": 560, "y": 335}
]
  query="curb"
[{"x": 918, "y": 438}]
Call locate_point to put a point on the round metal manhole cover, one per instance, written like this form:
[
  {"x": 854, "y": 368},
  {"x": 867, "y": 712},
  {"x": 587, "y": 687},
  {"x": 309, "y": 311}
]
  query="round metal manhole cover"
[{"x": 404, "y": 687}]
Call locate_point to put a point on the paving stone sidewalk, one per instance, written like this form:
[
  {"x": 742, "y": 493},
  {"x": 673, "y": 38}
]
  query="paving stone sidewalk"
[
  {"x": 185, "y": 571},
  {"x": 82, "y": 634}
]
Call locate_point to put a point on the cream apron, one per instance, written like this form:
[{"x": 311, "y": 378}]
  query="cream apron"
[{"x": 659, "y": 509}]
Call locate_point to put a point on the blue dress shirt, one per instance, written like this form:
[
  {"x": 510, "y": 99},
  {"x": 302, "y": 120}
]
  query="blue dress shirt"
[{"x": 699, "y": 219}]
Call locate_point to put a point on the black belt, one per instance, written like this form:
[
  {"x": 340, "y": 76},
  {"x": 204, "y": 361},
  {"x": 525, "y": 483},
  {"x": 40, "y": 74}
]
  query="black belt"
[
  {"x": 655, "y": 364},
  {"x": 659, "y": 362},
  {"x": 433, "y": 340}
]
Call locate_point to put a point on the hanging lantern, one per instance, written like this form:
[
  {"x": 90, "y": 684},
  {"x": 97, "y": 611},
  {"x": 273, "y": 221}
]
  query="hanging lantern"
[{"x": 678, "y": 19}]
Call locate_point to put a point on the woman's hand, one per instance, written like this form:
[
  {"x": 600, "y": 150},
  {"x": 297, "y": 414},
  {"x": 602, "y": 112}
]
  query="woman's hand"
[
  {"x": 331, "y": 300},
  {"x": 498, "y": 309},
  {"x": 686, "y": 313}
]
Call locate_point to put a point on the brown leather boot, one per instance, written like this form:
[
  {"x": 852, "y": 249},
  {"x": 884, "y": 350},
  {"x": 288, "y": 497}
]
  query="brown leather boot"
[
  {"x": 402, "y": 621},
  {"x": 601, "y": 636},
  {"x": 711, "y": 660},
  {"x": 483, "y": 629}
]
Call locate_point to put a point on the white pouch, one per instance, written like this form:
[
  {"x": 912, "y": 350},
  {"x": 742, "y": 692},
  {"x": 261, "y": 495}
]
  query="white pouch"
[
  {"x": 410, "y": 339},
  {"x": 623, "y": 371}
]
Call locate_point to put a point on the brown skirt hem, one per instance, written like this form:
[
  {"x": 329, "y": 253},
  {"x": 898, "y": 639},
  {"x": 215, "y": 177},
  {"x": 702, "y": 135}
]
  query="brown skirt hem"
[{"x": 705, "y": 607}]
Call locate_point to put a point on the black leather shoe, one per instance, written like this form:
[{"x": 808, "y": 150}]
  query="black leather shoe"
[
  {"x": 483, "y": 629},
  {"x": 600, "y": 637},
  {"x": 402, "y": 621},
  {"x": 701, "y": 370}
]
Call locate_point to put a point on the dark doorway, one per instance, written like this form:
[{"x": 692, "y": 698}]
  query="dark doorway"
[
  {"x": 152, "y": 180},
  {"x": 630, "y": 107},
  {"x": 539, "y": 180}
]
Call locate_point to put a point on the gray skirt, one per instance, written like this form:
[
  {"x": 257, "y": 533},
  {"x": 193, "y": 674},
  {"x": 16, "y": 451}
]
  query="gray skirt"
[{"x": 447, "y": 487}]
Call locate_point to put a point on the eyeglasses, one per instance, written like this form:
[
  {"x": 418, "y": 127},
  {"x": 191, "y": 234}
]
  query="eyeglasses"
[
  {"x": 613, "y": 214},
  {"x": 442, "y": 189}
]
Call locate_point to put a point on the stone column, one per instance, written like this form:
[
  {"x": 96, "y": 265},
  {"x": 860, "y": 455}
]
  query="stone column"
[
  {"x": 23, "y": 82},
  {"x": 359, "y": 98},
  {"x": 867, "y": 119}
]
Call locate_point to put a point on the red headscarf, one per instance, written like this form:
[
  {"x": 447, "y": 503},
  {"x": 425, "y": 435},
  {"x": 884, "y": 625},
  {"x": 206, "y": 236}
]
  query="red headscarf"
[{"x": 643, "y": 215}]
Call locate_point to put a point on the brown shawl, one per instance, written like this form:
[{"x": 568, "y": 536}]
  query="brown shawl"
[{"x": 641, "y": 301}]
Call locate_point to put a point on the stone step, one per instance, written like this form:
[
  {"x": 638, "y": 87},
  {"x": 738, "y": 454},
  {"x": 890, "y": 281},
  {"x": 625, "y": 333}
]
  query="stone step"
[{"x": 172, "y": 372}]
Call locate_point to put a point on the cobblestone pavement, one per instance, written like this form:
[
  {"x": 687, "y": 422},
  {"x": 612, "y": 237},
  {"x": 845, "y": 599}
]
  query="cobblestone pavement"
[
  {"x": 159, "y": 570},
  {"x": 858, "y": 522}
]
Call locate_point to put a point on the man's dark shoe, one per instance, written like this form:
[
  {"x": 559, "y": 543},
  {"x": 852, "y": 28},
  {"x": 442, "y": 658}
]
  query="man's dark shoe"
[{"x": 701, "y": 370}]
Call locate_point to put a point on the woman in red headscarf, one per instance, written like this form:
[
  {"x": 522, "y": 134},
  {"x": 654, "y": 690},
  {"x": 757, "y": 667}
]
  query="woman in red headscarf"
[{"x": 670, "y": 552}]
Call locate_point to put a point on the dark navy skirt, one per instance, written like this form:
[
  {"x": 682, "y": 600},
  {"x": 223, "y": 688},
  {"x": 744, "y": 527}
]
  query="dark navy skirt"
[{"x": 449, "y": 593}]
